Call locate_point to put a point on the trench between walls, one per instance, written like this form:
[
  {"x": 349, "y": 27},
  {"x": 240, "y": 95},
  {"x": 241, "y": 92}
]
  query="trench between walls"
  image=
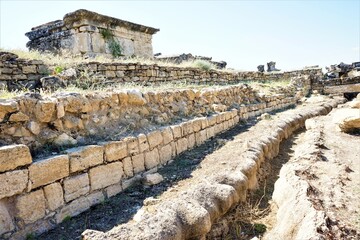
[
  {"x": 214, "y": 196},
  {"x": 62, "y": 186}
]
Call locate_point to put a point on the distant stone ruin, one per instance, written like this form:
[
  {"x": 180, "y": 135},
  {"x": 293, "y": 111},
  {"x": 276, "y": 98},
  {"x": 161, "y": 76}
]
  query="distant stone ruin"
[
  {"x": 179, "y": 58},
  {"x": 89, "y": 33}
]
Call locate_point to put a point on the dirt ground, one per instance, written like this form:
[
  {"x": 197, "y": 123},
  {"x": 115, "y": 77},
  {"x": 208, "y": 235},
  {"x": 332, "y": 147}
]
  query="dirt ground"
[{"x": 329, "y": 162}]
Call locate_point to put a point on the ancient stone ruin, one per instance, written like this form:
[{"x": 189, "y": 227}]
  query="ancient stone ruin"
[{"x": 90, "y": 33}]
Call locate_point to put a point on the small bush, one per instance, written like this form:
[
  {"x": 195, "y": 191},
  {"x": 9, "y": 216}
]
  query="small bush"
[{"x": 203, "y": 65}]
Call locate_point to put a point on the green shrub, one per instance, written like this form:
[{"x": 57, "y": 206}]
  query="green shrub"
[
  {"x": 203, "y": 65},
  {"x": 114, "y": 45}
]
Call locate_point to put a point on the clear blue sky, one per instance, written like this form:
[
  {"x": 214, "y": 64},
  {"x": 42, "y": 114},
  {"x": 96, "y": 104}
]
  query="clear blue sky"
[{"x": 242, "y": 33}]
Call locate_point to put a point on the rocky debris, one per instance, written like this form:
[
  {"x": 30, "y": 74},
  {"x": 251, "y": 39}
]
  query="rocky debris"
[
  {"x": 350, "y": 124},
  {"x": 261, "y": 68},
  {"x": 52, "y": 83},
  {"x": 343, "y": 70},
  {"x": 179, "y": 58},
  {"x": 152, "y": 179},
  {"x": 271, "y": 67},
  {"x": 7, "y": 56}
]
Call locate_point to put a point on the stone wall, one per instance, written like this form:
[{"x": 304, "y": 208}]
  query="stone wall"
[
  {"x": 14, "y": 77},
  {"x": 74, "y": 119},
  {"x": 17, "y": 73},
  {"x": 37, "y": 195},
  {"x": 90, "y": 33}
]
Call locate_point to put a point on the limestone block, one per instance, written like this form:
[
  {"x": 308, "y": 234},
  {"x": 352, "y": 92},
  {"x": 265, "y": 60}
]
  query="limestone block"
[
  {"x": 29, "y": 69},
  {"x": 76, "y": 186},
  {"x": 212, "y": 120},
  {"x": 82, "y": 158},
  {"x": 34, "y": 127},
  {"x": 143, "y": 143},
  {"x": 115, "y": 150},
  {"x": 79, "y": 205},
  {"x": 152, "y": 159},
  {"x": 30, "y": 207},
  {"x": 18, "y": 117},
  {"x": 197, "y": 124},
  {"x": 133, "y": 145},
  {"x": 45, "y": 110},
  {"x": 123, "y": 98},
  {"x": 7, "y": 107},
  {"x": 138, "y": 162},
  {"x": 167, "y": 135},
  {"x": 210, "y": 132},
  {"x": 191, "y": 141},
  {"x": 98, "y": 43},
  {"x": 6, "y": 222},
  {"x": 176, "y": 130},
  {"x": 152, "y": 179},
  {"x": 181, "y": 145},
  {"x": 135, "y": 98},
  {"x": 128, "y": 167},
  {"x": 14, "y": 156},
  {"x": 200, "y": 137},
  {"x": 54, "y": 196},
  {"x": 113, "y": 190},
  {"x": 165, "y": 154},
  {"x": 110, "y": 74},
  {"x": 105, "y": 175},
  {"x": 154, "y": 138},
  {"x": 83, "y": 42},
  {"x": 48, "y": 170},
  {"x": 187, "y": 128},
  {"x": 13, "y": 182},
  {"x": 76, "y": 103}
]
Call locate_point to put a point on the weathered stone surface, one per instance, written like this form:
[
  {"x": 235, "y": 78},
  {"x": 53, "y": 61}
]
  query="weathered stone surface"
[
  {"x": 115, "y": 150},
  {"x": 350, "y": 124},
  {"x": 154, "y": 138},
  {"x": 105, "y": 175},
  {"x": 152, "y": 179},
  {"x": 165, "y": 154},
  {"x": 52, "y": 83},
  {"x": 34, "y": 127},
  {"x": 113, "y": 190},
  {"x": 31, "y": 207},
  {"x": 54, "y": 196},
  {"x": 6, "y": 222},
  {"x": 14, "y": 156},
  {"x": 76, "y": 186},
  {"x": 167, "y": 135},
  {"x": 79, "y": 205},
  {"x": 13, "y": 182},
  {"x": 138, "y": 162},
  {"x": 45, "y": 110},
  {"x": 181, "y": 145},
  {"x": 64, "y": 140},
  {"x": 7, "y": 107},
  {"x": 82, "y": 158},
  {"x": 128, "y": 167},
  {"x": 48, "y": 170},
  {"x": 18, "y": 117},
  {"x": 135, "y": 97},
  {"x": 143, "y": 143},
  {"x": 152, "y": 159},
  {"x": 29, "y": 69},
  {"x": 133, "y": 145}
]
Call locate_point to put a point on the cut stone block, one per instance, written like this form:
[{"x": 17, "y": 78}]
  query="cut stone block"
[
  {"x": 14, "y": 156},
  {"x": 138, "y": 162},
  {"x": 54, "y": 196},
  {"x": 115, "y": 150},
  {"x": 82, "y": 158},
  {"x": 48, "y": 170},
  {"x": 152, "y": 159},
  {"x": 13, "y": 182},
  {"x": 76, "y": 186},
  {"x": 31, "y": 207},
  {"x": 105, "y": 175}
]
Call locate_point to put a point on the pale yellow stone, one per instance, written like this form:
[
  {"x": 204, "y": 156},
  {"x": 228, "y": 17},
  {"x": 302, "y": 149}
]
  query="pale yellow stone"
[
  {"x": 6, "y": 222},
  {"x": 31, "y": 207},
  {"x": 152, "y": 159},
  {"x": 54, "y": 196},
  {"x": 48, "y": 170},
  {"x": 154, "y": 138},
  {"x": 79, "y": 205},
  {"x": 105, "y": 175},
  {"x": 138, "y": 162},
  {"x": 128, "y": 167},
  {"x": 113, "y": 190},
  {"x": 45, "y": 110},
  {"x": 14, "y": 156},
  {"x": 13, "y": 182},
  {"x": 133, "y": 145},
  {"x": 143, "y": 143},
  {"x": 165, "y": 153},
  {"x": 167, "y": 135},
  {"x": 76, "y": 186},
  {"x": 115, "y": 150},
  {"x": 18, "y": 117},
  {"x": 191, "y": 141},
  {"x": 181, "y": 145},
  {"x": 34, "y": 127},
  {"x": 82, "y": 158}
]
